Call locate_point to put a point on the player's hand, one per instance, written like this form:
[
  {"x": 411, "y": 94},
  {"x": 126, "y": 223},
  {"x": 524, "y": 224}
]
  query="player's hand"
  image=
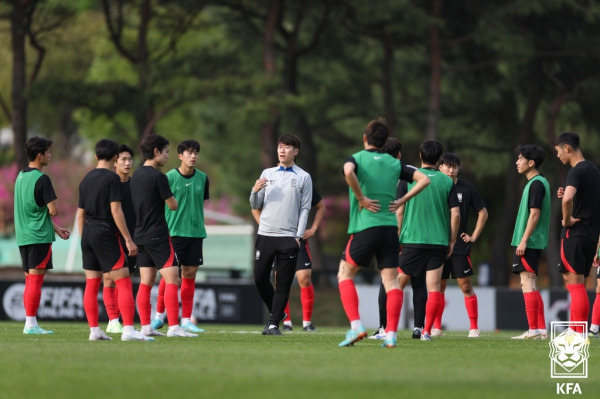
[
  {"x": 260, "y": 184},
  {"x": 560, "y": 192},
  {"x": 369, "y": 204},
  {"x": 63, "y": 233},
  {"x": 520, "y": 251},
  {"x": 570, "y": 222},
  {"x": 131, "y": 247},
  {"x": 309, "y": 233},
  {"x": 596, "y": 262},
  {"x": 450, "y": 250},
  {"x": 467, "y": 238}
]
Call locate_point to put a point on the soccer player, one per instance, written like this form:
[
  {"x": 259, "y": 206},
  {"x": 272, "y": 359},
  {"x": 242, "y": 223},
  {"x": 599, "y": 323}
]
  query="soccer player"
[
  {"x": 580, "y": 220},
  {"x": 150, "y": 192},
  {"x": 372, "y": 176},
  {"x": 428, "y": 229},
  {"x": 34, "y": 207},
  {"x": 101, "y": 223},
  {"x": 531, "y": 237},
  {"x": 459, "y": 266},
  {"x": 303, "y": 268},
  {"x": 393, "y": 147},
  {"x": 109, "y": 290},
  {"x": 595, "y": 326},
  {"x": 284, "y": 193},
  {"x": 186, "y": 226}
]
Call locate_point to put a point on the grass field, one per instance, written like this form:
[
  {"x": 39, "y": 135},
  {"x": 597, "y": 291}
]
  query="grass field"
[{"x": 238, "y": 362}]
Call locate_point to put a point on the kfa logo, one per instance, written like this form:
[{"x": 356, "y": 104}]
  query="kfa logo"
[
  {"x": 459, "y": 195},
  {"x": 569, "y": 349}
]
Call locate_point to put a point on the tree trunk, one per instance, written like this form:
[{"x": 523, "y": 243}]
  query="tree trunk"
[
  {"x": 270, "y": 128},
  {"x": 433, "y": 108},
  {"x": 387, "y": 78},
  {"x": 19, "y": 85}
]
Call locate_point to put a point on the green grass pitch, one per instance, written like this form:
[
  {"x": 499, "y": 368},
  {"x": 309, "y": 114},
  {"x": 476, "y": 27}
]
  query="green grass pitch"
[{"x": 233, "y": 361}]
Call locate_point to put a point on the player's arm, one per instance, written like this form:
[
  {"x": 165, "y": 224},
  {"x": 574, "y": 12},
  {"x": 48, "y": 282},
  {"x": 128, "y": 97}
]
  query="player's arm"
[
  {"x": 482, "y": 217},
  {"x": 532, "y": 222},
  {"x": 316, "y": 221},
  {"x": 400, "y": 217},
  {"x": 257, "y": 194},
  {"x": 80, "y": 220},
  {"x": 454, "y": 226},
  {"x": 256, "y": 214},
  {"x": 597, "y": 256},
  {"x": 171, "y": 203},
  {"x": 352, "y": 181},
  {"x": 421, "y": 181},
  {"x": 567, "y": 206},
  {"x": 305, "y": 201},
  {"x": 119, "y": 218},
  {"x": 52, "y": 208}
]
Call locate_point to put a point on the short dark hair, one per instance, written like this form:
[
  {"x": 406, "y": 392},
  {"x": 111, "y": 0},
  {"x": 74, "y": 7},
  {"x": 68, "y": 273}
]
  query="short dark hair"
[
  {"x": 431, "y": 151},
  {"x": 570, "y": 138},
  {"x": 392, "y": 146},
  {"x": 450, "y": 159},
  {"x": 106, "y": 149},
  {"x": 532, "y": 153},
  {"x": 37, "y": 145},
  {"x": 151, "y": 142},
  {"x": 377, "y": 133},
  {"x": 126, "y": 148},
  {"x": 289, "y": 139},
  {"x": 191, "y": 145}
]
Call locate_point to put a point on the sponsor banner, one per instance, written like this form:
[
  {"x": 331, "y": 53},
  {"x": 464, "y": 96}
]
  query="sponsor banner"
[{"x": 63, "y": 301}]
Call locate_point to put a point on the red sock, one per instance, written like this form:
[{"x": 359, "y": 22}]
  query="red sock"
[
  {"x": 580, "y": 303},
  {"x": 596, "y": 310},
  {"x": 434, "y": 301},
  {"x": 125, "y": 300},
  {"x": 307, "y": 297},
  {"x": 437, "y": 323},
  {"x": 33, "y": 294},
  {"x": 160, "y": 299},
  {"x": 172, "y": 304},
  {"x": 471, "y": 306},
  {"x": 287, "y": 311},
  {"x": 25, "y": 292},
  {"x": 531, "y": 309},
  {"x": 109, "y": 296},
  {"x": 349, "y": 298},
  {"x": 143, "y": 303},
  {"x": 393, "y": 307},
  {"x": 188, "y": 287},
  {"x": 541, "y": 319},
  {"x": 90, "y": 300}
]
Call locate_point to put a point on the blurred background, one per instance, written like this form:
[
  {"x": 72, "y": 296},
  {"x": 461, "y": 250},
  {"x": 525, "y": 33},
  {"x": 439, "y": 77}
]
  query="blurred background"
[{"x": 481, "y": 77}]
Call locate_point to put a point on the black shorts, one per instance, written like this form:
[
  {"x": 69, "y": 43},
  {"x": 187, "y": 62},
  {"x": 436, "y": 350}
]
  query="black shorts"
[
  {"x": 188, "y": 250},
  {"x": 304, "y": 261},
  {"x": 414, "y": 261},
  {"x": 160, "y": 254},
  {"x": 36, "y": 256},
  {"x": 101, "y": 247},
  {"x": 576, "y": 255},
  {"x": 529, "y": 262},
  {"x": 381, "y": 242},
  {"x": 458, "y": 266}
]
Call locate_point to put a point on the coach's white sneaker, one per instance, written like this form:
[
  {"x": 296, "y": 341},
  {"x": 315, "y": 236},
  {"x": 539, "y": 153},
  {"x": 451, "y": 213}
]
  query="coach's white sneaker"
[
  {"x": 379, "y": 334},
  {"x": 528, "y": 335},
  {"x": 436, "y": 332},
  {"x": 134, "y": 335},
  {"x": 99, "y": 336},
  {"x": 177, "y": 331},
  {"x": 474, "y": 333}
]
